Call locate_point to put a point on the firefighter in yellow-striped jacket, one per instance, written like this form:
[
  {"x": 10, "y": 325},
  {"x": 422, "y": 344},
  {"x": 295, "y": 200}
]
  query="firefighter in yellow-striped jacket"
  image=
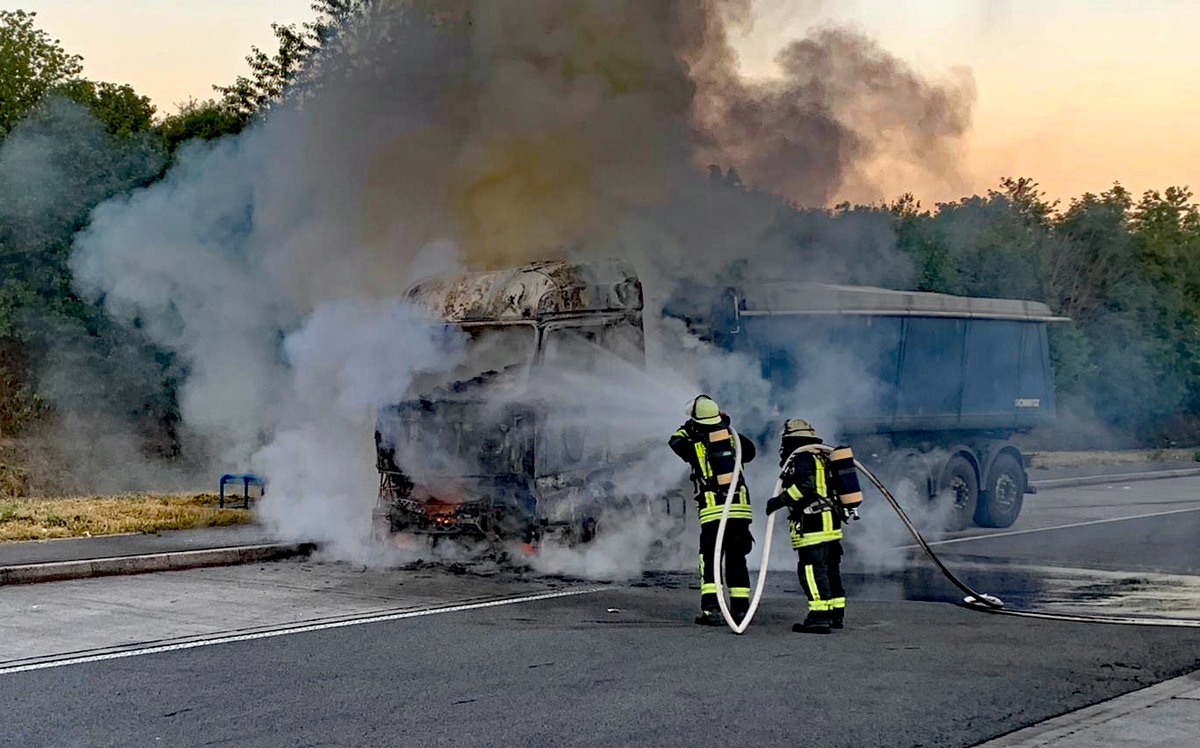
[
  {"x": 815, "y": 525},
  {"x": 706, "y": 443}
]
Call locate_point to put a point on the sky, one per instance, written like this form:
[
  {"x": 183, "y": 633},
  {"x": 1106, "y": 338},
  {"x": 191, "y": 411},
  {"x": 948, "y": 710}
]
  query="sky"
[{"x": 1076, "y": 94}]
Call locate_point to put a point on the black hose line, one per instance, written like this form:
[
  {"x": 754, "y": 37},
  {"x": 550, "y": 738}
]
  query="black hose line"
[
  {"x": 985, "y": 601},
  {"x": 990, "y": 604}
]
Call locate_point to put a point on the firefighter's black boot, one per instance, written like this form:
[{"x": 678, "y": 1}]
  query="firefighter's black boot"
[
  {"x": 838, "y": 619},
  {"x": 814, "y": 624},
  {"x": 709, "y": 617},
  {"x": 738, "y": 607}
]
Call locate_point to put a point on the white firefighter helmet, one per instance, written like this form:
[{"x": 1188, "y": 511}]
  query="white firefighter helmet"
[
  {"x": 798, "y": 427},
  {"x": 704, "y": 410}
]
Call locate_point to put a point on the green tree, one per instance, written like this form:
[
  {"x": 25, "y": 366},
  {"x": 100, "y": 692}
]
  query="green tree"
[
  {"x": 1168, "y": 228},
  {"x": 982, "y": 246},
  {"x": 292, "y": 69},
  {"x": 118, "y": 106},
  {"x": 55, "y": 167},
  {"x": 205, "y": 120},
  {"x": 31, "y": 63},
  {"x": 1094, "y": 254},
  {"x": 270, "y": 75}
]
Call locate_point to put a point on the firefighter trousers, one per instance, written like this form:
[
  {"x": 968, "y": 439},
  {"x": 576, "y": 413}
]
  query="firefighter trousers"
[
  {"x": 736, "y": 577},
  {"x": 820, "y": 571}
]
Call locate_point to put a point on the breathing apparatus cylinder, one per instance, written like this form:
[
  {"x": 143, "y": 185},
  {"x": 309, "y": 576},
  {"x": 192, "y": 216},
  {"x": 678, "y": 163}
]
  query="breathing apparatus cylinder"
[{"x": 845, "y": 477}]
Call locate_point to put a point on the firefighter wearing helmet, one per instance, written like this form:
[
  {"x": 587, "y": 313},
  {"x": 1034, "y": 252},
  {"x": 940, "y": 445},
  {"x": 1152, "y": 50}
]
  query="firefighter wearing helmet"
[
  {"x": 815, "y": 524},
  {"x": 706, "y": 443}
]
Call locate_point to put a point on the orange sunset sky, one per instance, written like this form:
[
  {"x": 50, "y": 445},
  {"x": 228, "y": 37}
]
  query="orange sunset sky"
[{"x": 1074, "y": 93}]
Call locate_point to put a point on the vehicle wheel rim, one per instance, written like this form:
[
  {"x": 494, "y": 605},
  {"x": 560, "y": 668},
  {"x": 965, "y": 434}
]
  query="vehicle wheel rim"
[
  {"x": 1005, "y": 494},
  {"x": 959, "y": 487}
]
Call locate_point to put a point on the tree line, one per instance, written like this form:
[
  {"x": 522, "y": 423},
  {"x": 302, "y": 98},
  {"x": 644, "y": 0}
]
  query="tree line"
[{"x": 1125, "y": 269}]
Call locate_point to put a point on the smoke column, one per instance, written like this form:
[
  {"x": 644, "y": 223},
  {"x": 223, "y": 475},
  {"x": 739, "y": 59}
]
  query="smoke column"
[{"x": 483, "y": 135}]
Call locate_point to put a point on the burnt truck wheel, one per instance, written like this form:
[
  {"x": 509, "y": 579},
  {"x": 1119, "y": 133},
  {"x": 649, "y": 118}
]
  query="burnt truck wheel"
[
  {"x": 959, "y": 488},
  {"x": 615, "y": 513},
  {"x": 1005, "y": 494}
]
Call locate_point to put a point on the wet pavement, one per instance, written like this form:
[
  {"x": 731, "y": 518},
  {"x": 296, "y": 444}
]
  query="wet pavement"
[{"x": 1081, "y": 592}]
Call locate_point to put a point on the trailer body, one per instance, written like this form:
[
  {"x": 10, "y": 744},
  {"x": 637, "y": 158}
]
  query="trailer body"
[{"x": 933, "y": 386}]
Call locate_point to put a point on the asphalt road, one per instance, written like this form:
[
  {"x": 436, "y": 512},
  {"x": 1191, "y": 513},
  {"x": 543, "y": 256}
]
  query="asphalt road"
[
  {"x": 568, "y": 672},
  {"x": 379, "y": 659}
]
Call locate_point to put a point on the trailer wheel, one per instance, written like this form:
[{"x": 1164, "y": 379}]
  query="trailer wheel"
[
  {"x": 960, "y": 487},
  {"x": 1005, "y": 493},
  {"x": 907, "y": 475}
]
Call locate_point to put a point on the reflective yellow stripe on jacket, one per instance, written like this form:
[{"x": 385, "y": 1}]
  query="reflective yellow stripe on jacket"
[
  {"x": 827, "y": 533},
  {"x": 712, "y": 503},
  {"x": 824, "y": 535},
  {"x": 702, "y": 460}
]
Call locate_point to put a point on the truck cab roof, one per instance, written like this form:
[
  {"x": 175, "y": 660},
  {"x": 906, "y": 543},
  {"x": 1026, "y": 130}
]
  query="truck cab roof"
[{"x": 533, "y": 292}]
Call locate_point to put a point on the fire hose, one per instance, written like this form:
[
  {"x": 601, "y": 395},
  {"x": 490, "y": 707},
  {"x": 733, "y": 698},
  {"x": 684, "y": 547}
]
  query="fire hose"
[{"x": 974, "y": 600}]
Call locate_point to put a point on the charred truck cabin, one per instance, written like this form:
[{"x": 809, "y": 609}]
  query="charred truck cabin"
[
  {"x": 930, "y": 387},
  {"x": 487, "y": 449}
]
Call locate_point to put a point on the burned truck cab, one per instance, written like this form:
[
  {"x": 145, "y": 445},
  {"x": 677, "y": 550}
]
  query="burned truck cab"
[{"x": 493, "y": 448}]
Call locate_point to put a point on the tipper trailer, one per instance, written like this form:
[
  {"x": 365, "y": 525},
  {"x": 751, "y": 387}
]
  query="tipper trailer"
[{"x": 931, "y": 387}]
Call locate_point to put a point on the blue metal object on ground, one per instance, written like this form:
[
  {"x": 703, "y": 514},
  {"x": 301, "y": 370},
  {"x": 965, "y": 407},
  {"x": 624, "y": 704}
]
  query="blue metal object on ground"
[{"x": 247, "y": 480}]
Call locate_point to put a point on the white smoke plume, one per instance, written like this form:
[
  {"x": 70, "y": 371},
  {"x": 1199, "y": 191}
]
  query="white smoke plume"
[
  {"x": 482, "y": 135},
  {"x": 349, "y": 359}
]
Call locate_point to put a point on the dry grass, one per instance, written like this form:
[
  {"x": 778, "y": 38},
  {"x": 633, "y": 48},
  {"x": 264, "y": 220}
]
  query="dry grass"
[{"x": 37, "y": 519}]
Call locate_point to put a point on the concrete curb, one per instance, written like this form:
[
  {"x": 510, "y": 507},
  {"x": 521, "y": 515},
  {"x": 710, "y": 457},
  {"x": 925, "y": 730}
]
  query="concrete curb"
[
  {"x": 1101, "y": 480},
  {"x": 170, "y": 561},
  {"x": 1082, "y": 727}
]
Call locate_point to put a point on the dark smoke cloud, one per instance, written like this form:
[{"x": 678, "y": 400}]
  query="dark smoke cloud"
[
  {"x": 845, "y": 120},
  {"x": 486, "y": 135}
]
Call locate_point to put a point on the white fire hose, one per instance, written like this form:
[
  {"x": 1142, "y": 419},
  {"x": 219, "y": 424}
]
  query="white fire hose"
[
  {"x": 739, "y": 628},
  {"x": 975, "y": 600}
]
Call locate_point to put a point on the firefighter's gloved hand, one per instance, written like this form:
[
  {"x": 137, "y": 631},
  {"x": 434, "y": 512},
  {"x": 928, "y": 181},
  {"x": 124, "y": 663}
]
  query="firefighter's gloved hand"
[
  {"x": 849, "y": 514},
  {"x": 774, "y": 504}
]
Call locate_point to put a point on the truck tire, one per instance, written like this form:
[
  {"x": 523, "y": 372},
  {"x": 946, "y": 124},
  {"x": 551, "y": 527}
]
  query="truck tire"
[
  {"x": 959, "y": 486},
  {"x": 1005, "y": 493},
  {"x": 907, "y": 477}
]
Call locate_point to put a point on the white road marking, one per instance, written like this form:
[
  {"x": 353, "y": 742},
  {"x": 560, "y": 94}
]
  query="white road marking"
[
  {"x": 1088, "y": 523},
  {"x": 286, "y": 631}
]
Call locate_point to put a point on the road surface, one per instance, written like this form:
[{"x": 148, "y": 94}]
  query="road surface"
[{"x": 318, "y": 654}]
